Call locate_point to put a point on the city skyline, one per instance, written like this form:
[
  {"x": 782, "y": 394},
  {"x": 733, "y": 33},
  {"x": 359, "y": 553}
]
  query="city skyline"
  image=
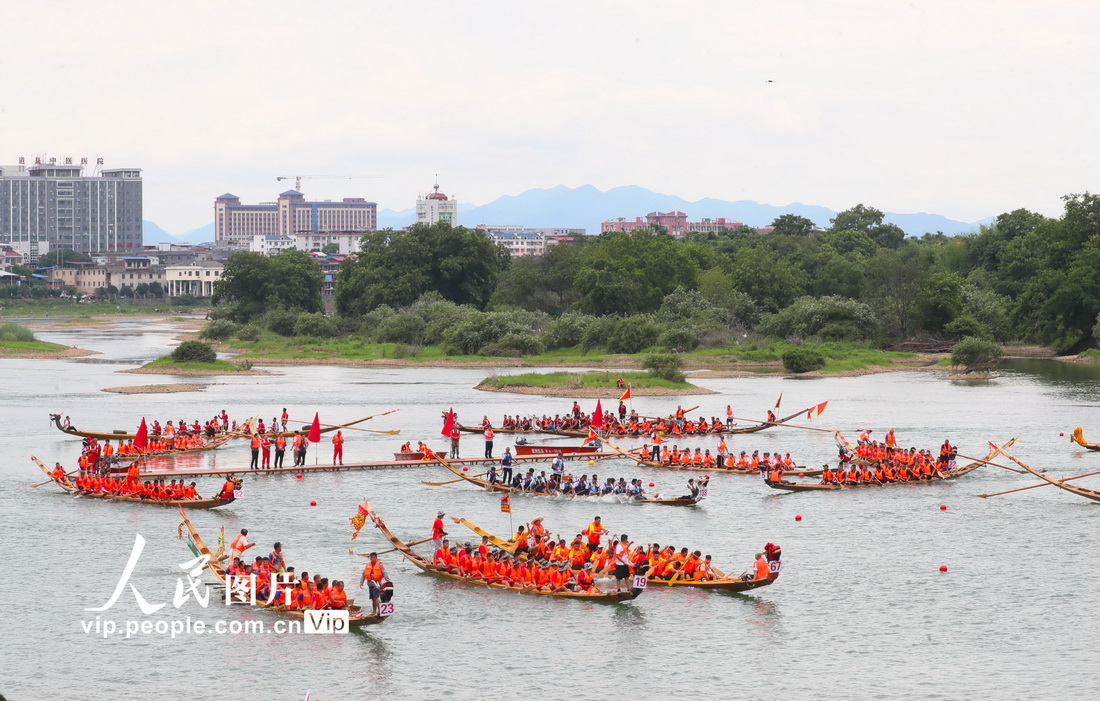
[{"x": 967, "y": 110}]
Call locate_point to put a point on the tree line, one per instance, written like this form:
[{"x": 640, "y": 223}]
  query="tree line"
[{"x": 1022, "y": 277}]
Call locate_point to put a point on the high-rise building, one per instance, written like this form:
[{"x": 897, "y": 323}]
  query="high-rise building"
[
  {"x": 58, "y": 206},
  {"x": 236, "y": 224},
  {"x": 436, "y": 208}
]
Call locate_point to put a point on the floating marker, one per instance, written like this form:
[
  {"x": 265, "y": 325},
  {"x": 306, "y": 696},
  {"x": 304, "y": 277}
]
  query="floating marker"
[
  {"x": 943, "y": 507},
  {"x": 313, "y": 503},
  {"x": 801, "y": 474},
  {"x": 465, "y": 469},
  {"x": 299, "y": 475},
  {"x": 591, "y": 462},
  {"x": 650, "y": 484},
  {"x": 798, "y": 517},
  {"x": 1061, "y": 434},
  {"x": 943, "y": 568}
]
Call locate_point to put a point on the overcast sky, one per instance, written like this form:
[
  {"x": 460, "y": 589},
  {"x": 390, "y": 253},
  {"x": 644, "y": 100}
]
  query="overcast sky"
[{"x": 966, "y": 109}]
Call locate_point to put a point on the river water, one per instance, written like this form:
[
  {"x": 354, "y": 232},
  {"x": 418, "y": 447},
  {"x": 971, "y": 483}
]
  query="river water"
[{"x": 861, "y": 609}]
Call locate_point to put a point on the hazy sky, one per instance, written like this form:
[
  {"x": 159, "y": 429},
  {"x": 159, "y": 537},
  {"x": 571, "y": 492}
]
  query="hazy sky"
[{"x": 966, "y": 109}]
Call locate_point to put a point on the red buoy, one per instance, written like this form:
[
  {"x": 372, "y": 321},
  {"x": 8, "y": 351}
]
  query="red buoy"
[
  {"x": 798, "y": 517},
  {"x": 650, "y": 484},
  {"x": 299, "y": 475},
  {"x": 1061, "y": 434},
  {"x": 943, "y": 507},
  {"x": 943, "y": 568},
  {"x": 801, "y": 474},
  {"x": 465, "y": 469},
  {"x": 313, "y": 503}
]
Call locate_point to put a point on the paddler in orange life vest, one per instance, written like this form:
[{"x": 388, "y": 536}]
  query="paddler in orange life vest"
[
  {"x": 437, "y": 531},
  {"x": 338, "y": 447},
  {"x": 760, "y": 567},
  {"x": 239, "y": 545},
  {"x": 489, "y": 434},
  {"x": 373, "y": 575}
]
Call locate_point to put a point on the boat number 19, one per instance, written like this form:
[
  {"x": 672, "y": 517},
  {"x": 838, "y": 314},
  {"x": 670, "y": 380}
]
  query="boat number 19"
[
  {"x": 640, "y": 582},
  {"x": 385, "y": 609}
]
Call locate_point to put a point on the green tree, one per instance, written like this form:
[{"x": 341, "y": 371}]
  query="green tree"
[
  {"x": 792, "y": 225},
  {"x": 895, "y": 280},
  {"x": 60, "y": 256},
  {"x": 253, "y": 283},
  {"x": 330, "y": 249},
  {"x": 870, "y": 221},
  {"x": 940, "y": 300},
  {"x": 975, "y": 354},
  {"x": 770, "y": 281}
]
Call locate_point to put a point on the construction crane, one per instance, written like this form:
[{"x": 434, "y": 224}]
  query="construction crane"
[{"x": 299, "y": 178}]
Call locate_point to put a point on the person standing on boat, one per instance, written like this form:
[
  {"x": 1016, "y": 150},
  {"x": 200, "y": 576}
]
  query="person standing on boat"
[
  {"x": 239, "y": 545},
  {"x": 338, "y": 448},
  {"x": 489, "y": 434},
  {"x": 286, "y": 418},
  {"x": 620, "y": 553},
  {"x": 374, "y": 574},
  {"x": 255, "y": 464},
  {"x": 265, "y": 447},
  {"x": 557, "y": 466},
  {"x": 505, "y": 464},
  {"x": 437, "y": 531},
  {"x": 455, "y": 435},
  {"x": 280, "y": 449},
  {"x": 275, "y": 559}
]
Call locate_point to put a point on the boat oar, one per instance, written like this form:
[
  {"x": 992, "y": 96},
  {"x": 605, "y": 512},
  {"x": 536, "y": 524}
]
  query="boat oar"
[
  {"x": 1036, "y": 486},
  {"x": 987, "y": 462},
  {"x": 440, "y": 484},
  {"x": 51, "y": 479},
  {"x": 383, "y": 552},
  {"x": 786, "y": 425},
  {"x": 392, "y": 432},
  {"x": 670, "y": 416}
]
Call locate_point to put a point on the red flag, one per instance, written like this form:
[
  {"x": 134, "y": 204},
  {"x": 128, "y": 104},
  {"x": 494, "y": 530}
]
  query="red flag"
[
  {"x": 597, "y": 416},
  {"x": 141, "y": 438},
  {"x": 591, "y": 437},
  {"x": 626, "y": 394},
  {"x": 779, "y": 401},
  {"x": 315, "y": 429},
  {"x": 448, "y": 423},
  {"x": 821, "y": 407},
  {"x": 505, "y": 504}
]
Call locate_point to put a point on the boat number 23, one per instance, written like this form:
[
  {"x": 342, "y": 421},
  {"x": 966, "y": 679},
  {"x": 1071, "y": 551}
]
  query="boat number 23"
[{"x": 385, "y": 609}]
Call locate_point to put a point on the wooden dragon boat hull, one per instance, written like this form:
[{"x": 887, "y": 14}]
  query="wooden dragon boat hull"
[
  {"x": 1090, "y": 494},
  {"x": 356, "y": 619},
  {"x": 426, "y": 565},
  {"x": 948, "y": 475},
  {"x": 727, "y": 470},
  {"x": 1078, "y": 437},
  {"x": 125, "y": 436},
  {"x": 497, "y": 487},
  {"x": 184, "y": 503}
]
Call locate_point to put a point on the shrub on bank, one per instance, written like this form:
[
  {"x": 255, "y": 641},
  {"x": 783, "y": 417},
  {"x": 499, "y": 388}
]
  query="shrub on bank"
[
  {"x": 316, "y": 325},
  {"x": 976, "y": 354},
  {"x": 10, "y": 332},
  {"x": 667, "y": 366},
  {"x": 219, "y": 330},
  {"x": 803, "y": 360},
  {"x": 194, "y": 352}
]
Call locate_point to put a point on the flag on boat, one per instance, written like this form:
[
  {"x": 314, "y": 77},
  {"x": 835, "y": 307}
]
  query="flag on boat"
[
  {"x": 592, "y": 436},
  {"x": 141, "y": 438},
  {"x": 820, "y": 408},
  {"x": 779, "y": 401},
  {"x": 505, "y": 504},
  {"x": 315, "y": 429},
  {"x": 359, "y": 519},
  {"x": 448, "y": 424},
  {"x": 626, "y": 394},
  {"x": 597, "y": 416}
]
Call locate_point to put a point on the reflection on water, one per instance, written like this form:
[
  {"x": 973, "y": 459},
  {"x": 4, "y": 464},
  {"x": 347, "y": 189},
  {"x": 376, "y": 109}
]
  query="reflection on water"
[
  {"x": 1055, "y": 371},
  {"x": 629, "y": 616}
]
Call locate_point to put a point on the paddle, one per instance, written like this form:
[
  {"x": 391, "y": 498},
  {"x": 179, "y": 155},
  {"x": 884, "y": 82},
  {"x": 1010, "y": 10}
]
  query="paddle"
[
  {"x": 383, "y": 552},
  {"x": 440, "y": 484},
  {"x": 659, "y": 418},
  {"x": 987, "y": 462},
  {"x": 51, "y": 479},
  {"x": 349, "y": 427},
  {"x": 1036, "y": 486},
  {"x": 787, "y": 425}
]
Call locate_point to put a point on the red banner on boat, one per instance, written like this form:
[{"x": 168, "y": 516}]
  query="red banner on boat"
[
  {"x": 505, "y": 504},
  {"x": 448, "y": 424},
  {"x": 597, "y": 416},
  {"x": 315, "y": 429},
  {"x": 359, "y": 519},
  {"x": 591, "y": 437},
  {"x": 141, "y": 438},
  {"x": 779, "y": 401},
  {"x": 626, "y": 394}
]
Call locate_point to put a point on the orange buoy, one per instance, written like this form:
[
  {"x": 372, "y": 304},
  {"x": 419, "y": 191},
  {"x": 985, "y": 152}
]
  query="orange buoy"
[{"x": 943, "y": 568}]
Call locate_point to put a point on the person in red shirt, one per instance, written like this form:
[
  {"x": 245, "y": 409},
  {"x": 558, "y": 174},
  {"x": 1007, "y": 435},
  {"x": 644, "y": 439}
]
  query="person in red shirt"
[{"x": 437, "y": 531}]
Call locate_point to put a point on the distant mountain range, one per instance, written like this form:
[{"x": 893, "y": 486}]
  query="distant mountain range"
[{"x": 586, "y": 207}]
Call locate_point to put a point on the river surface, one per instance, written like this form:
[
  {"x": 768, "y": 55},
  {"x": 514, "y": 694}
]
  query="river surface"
[{"x": 861, "y": 609}]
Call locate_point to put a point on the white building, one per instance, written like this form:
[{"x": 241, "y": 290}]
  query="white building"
[
  {"x": 436, "y": 208},
  {"x": 346, "y": 243},
  {"x": 196, "y": 279},
  {"x": 270, "y": 244},
  {"x": 526, "y": 241}
]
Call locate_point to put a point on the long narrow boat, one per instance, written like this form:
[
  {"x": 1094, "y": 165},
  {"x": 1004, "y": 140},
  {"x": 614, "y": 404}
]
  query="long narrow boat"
[
  {"x": 1092, "y": 494},
  {"x": 946, "y": 475},
  {"x": 124, "y": 436},
  {"x": 212, "y": 444},
  {"x": 184, "y": 503},
  {"x": 724, "y": 583},
  {"x": 553, "y": 450},
  {"x": 498, "y": 487},
  {"x": 728, "y": 470},
  {"x": 426, "y": 564},
  {"x": 356, "y": 617},
  {"x": 1078, "y": 437}
]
